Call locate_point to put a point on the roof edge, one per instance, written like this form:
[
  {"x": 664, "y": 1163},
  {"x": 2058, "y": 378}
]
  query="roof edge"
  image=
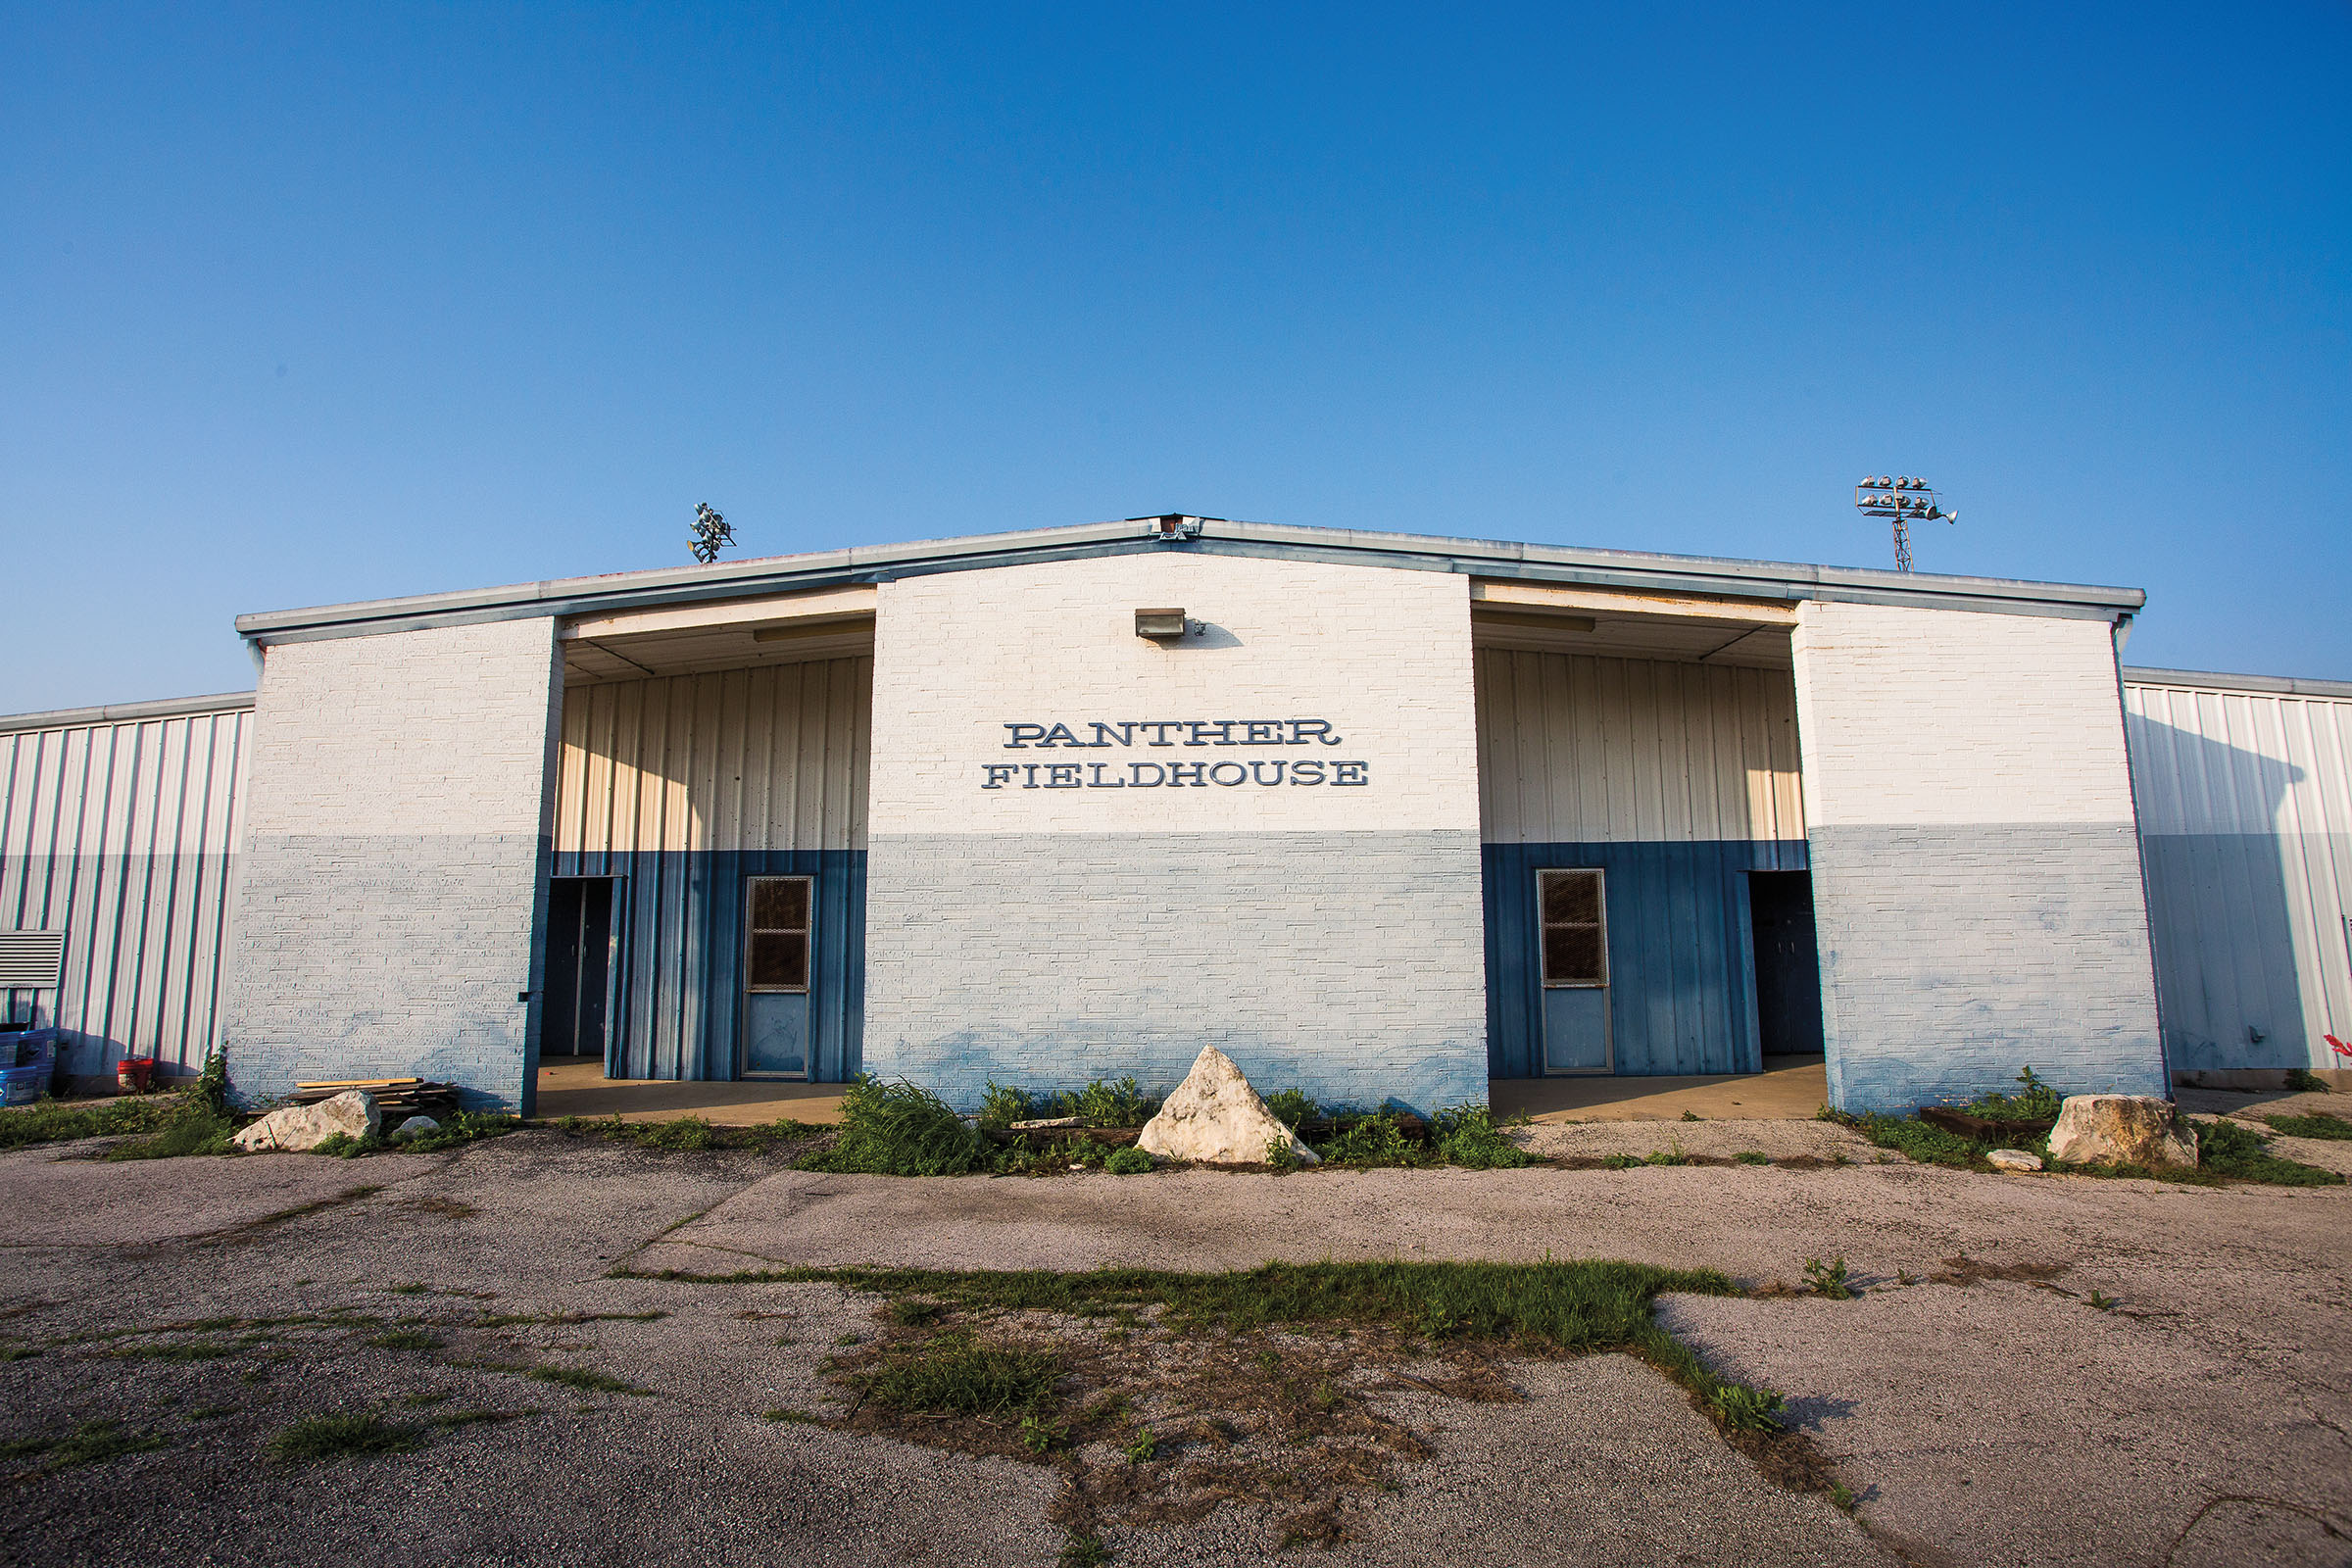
[
  {"x": 1424, "y": 552},
  {"x": 127, "y": 712},
  {"x": 2216, "y": 680}
]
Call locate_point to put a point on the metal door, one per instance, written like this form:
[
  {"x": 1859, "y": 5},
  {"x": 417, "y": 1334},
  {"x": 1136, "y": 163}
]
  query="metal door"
[
  {"x": 775, "y": 976},
  {"x": 1573, "y": 930},
  {"x": 1788, "y": 963},
  {"x": 579, "y": 966}
]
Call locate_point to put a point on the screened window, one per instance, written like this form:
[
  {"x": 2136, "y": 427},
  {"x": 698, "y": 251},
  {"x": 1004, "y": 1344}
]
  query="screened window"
[
  {"x": 777, "y": 934},
  {"x": 1575, "y": 921}
]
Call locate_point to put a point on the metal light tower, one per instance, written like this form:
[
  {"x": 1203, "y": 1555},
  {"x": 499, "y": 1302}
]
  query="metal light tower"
[{"x": 1906, "y": 499}]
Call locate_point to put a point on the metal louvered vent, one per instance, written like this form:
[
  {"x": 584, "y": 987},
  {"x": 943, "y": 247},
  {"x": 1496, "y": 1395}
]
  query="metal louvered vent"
[{"x": 31, "y": 960}]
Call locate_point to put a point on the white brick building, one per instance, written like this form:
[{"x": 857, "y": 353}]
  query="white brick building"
[{"x": 1384, "y": 816}]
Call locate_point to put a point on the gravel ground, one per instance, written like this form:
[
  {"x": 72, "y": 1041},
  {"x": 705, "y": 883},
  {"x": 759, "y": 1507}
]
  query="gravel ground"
[{"x": 1983, "y": 1419}]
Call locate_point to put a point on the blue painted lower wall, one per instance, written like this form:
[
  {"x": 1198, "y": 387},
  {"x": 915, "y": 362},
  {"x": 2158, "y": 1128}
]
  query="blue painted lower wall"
[
  {"x": 1680, "y": 986},
  {"x": 678, "y": 915}
]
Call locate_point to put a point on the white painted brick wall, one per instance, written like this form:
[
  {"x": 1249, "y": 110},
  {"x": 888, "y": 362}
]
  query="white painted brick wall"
[
  {"x": 1976, "y": 880},
  {"x": 395, "y": 834},
  {"x": 1936, "y": 715},
  {"x": 1384, "y": 654}
]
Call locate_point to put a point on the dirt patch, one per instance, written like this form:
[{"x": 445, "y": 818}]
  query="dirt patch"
[
  {"x": 1965, "y": 1270},
  {"x": 1153, "y": 1424}
]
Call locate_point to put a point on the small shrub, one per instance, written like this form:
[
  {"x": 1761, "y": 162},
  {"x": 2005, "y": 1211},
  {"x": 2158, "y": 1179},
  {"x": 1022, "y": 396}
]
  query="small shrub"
[
  {"x": 1291, "y": 1106},
  {"x": 1466, "y": 1135},
  {"x": 2034, "y": 1101},
  {"x": 2318, "y": 1124},
  {"x": 318, "y": 1438},
  {"x": 1749, "y": 1409},
  {"x": 1000, "y": 1107},
  {"x": 901, "y": 1129},
  {"x": 1101, "y": 1104},
  {"x": 1667, "y": 1156},
  {"x": 1279, "y": 1154},
  {"x": 193, "y": 1128},
  {"x": 1127, "y": 1162},
  {"x": 1828, "y": 1278},
  {"x": 2303, "y": 1081},
  {"x": 1618, "y": 1162},
  {"x": 1752, "y": 1156},
  {"x": 1374, "y": 1140}
]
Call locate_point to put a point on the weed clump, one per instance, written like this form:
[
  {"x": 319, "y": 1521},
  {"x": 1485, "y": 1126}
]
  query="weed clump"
[
  {"x": 1102, "y": 1102},
  {"x": 953, "y": 1374},
  {"x": 1291, "y": 1106},
  {"x": 2034, "y": 1101},
  {"x": 1374, "y": 1140},
  {"x": 319, "y": 1437},
  {"x": 901, "y": 1129},
  {"x": 1466, "y": 1135},
  {"x": 2303, "y": 1081}
]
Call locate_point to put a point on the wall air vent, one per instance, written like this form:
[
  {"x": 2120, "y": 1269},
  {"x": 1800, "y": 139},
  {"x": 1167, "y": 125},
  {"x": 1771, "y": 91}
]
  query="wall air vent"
[{"x": 31, "y": 960}]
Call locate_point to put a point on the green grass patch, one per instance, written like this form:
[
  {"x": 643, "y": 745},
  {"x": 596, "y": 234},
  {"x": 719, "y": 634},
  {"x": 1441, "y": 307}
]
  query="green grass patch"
[
  {"x": 2318, "y": 1124},
  {"x": 953, "y": 1374},
  {"x": 194, "y": 1128},
  {"x": 2227, "y": 1148},
  {"x": 91, "y": 1442},
  {"x": 178, "y": 1351},
  {"x": 51, "y": 1121},
  {"x": 1576, "y": 1306},
  {"x": 314, "y": 1440},
  {"x": 585, "y": 1379}
]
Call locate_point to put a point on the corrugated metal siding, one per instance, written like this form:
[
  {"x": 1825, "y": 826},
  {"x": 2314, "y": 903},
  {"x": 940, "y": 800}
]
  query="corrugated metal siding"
[
  {"x": 2246, "y": 819},
  {"x": 1577, "y": 749},
  {"x": 123, "y": 834},
  {"x": 683, "y": 786},
  {"x": 1675, "y": 778}
]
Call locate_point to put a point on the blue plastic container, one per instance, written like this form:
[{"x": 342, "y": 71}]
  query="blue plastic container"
[{"x": 21, "y": 1086}]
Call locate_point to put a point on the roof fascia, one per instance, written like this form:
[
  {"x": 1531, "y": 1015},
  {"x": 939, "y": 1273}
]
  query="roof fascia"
[
  {"x": 2205, "y": 680},
  {"x": 125, "y": 712},
  {"x": 1699, "y": 574}
]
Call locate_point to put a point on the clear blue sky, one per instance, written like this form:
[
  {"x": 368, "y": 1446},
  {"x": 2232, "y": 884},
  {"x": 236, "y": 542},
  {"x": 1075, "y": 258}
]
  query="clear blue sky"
[{"x": 299, "y": 307}]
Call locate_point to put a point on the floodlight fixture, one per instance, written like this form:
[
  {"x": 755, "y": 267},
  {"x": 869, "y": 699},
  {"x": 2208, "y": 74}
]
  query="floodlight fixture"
[{"x": 1903, "y": 499}]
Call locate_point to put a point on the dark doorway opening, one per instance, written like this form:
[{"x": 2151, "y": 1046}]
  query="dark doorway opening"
[
  {"x": 1788, "y": 963},
  {"x": 579, "y": 962}
]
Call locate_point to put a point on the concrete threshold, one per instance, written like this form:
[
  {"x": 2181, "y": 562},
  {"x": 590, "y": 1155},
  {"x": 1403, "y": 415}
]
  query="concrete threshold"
[
  {"x": 1789, "y": 1089},
  {"x": 581, "y": 1089}
]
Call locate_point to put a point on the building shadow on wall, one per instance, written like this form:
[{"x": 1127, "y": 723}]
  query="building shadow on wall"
[{"x": 2228, "y": 993}]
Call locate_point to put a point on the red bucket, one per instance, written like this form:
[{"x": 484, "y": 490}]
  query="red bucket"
[{"x": 135, "y": 1075}]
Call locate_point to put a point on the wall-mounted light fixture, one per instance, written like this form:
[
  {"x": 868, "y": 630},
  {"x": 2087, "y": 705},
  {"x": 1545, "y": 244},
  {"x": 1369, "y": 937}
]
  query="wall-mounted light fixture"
[{"x": 1162, "y": 626}]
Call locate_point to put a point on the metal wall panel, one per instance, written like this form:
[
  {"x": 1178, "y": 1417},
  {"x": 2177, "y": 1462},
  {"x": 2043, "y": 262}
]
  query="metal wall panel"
[
  {"x": 1677, "y": 779},
  {"x": 122, "y": 835},
  {"x": 1578, "y": 749},
  {"x": 683, "y": 786},
  {"x": 2246, "y": 820}
]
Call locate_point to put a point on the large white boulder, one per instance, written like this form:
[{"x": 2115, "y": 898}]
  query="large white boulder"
[
  {"x": 299, "y": 1127},
  {"x": 1215, "y": 1117},
  {"x": 2122, "y": 1129}
]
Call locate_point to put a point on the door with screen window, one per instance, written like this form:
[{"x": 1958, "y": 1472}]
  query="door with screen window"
[
  {"x": 1572, "y": 915},
  {"x": 775, "y": 977}
]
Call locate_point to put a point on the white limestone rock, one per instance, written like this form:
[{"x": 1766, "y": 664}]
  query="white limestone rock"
[
  {"x": 1215, "y": 1117},
  {"x": 302, "y": 1127},
  {"x": 2122, "y": 1129},
  {"x": 2012, "y": 1159},
  {"x": 414, "y": 1127}
]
